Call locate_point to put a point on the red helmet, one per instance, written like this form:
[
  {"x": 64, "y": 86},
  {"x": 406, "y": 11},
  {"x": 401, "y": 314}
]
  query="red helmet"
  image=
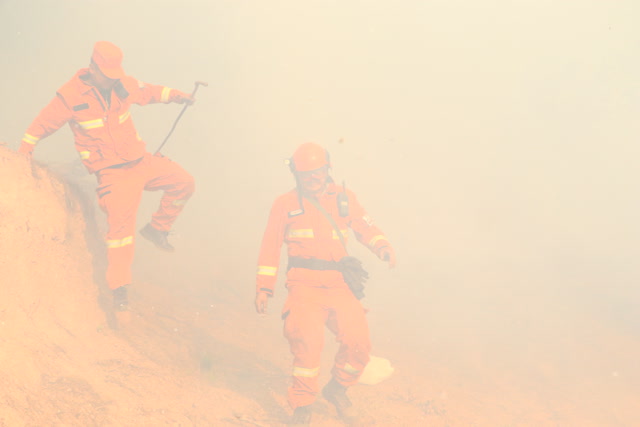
[
  {"x": 309, "y": 156},
  {"x": 108, "y": 58}
]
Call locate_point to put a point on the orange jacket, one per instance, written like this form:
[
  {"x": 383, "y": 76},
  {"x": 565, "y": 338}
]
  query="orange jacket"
[
  {"x": 104, "y": 134},
  {"x": 309, "y": 234}
]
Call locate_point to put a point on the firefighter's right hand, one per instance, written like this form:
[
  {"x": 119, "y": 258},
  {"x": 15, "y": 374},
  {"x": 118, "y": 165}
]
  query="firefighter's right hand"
[
  {"x": 180, "y": 97},
  {"x": 387, "y": 254},
  {"x": 262, "y": 301}
]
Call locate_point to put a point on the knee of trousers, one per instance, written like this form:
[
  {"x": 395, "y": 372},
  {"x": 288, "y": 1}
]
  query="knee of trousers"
[
  {"x": 181, "y": 185},
  {"x": 190, "y": 185},
  {"x": 187, "y": 184},
  {"x": 357, "y": 347},
  {"x": 183, "y": 191},
  {"x": 304, "y": 344},
  {"x": 305, "y": 341}
]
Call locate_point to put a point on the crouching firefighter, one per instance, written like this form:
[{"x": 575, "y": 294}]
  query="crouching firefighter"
[{"x": 323, "y": 282}]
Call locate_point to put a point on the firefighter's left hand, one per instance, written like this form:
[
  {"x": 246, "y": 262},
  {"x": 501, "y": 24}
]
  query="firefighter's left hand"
[
  {"x": 181, "y": 98},
  {"x": 386, "y": 253},
  {"x": 262, "y": 301},
  {"x": 26, "y": 150}
]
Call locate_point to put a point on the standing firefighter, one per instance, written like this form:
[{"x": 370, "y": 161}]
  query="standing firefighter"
[
  {"x": 95, "y": 103},
  {"x": 313, "y": 220}
]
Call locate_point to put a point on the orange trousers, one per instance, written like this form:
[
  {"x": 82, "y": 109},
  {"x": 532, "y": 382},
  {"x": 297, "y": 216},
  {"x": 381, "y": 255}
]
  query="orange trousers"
[
  {"x": 306, "y": 313},
  {"x": 119, "y": 195}
]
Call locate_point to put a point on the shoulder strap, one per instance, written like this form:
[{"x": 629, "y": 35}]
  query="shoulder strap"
[{"x": 318, "y": 206}]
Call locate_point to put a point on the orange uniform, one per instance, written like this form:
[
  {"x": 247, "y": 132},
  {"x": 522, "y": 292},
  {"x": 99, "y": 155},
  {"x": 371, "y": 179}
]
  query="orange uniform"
[
  {"x": 317, "y": 297},
  {"x": 110, "y": 147},
  {"x": 103, "y": 129}
]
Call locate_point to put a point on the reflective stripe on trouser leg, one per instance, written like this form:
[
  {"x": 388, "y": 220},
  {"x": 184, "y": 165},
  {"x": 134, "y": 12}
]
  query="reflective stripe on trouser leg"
[
  {"x": 178, "y": 186},
  {"x": 349, "y": 323},
  {"x": 119, "y": 257},
  {"x": 119, "y": 195},
  {"x": 304, "y": 329}
]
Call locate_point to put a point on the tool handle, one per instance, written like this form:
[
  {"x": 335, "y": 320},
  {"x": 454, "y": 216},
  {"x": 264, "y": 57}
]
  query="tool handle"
[
  {"x": 195, "y": 89},
  {"x": 198, "y": 84}
]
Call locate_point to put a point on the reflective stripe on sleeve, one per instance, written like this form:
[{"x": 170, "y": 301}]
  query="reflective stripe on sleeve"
[
  {"x": 84, "y": 155},
  {"x": 91, "y": 124},
  {"x": 265, "y": 270},
  {"x": 166, "y": 91},
  {"x": 376, "y": 239},
  {"x": 124, "y": 117},
  {"x": 299, "y": 371},
  {"x": 306, "y": 233},
  {"x": 113, "y": 244},
  {"x": 30, "y": 139}
]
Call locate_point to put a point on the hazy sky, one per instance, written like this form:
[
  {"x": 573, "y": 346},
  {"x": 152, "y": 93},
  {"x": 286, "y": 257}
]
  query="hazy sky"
[{"x": 495, "y": 142}]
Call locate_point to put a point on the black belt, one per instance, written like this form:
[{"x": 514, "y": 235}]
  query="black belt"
[
  {"x": 312, "y": 264},
  {"x": 351, "y": 268}
]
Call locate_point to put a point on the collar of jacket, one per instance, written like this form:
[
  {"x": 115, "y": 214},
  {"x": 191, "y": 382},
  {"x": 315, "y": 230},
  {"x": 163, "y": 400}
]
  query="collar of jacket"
[{"x": 80, "y": 81}]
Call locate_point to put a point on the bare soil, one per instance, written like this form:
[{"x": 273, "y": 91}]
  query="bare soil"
[{"x": 196, "y": 354}]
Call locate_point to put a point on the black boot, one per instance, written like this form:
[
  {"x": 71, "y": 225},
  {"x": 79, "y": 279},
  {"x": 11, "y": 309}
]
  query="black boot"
[
  {"x": 336, "y": 394},
  {"x": 301, "y": 416},
  {"x": 120, "y": 299},
  {"x": 157, "y": 237}
]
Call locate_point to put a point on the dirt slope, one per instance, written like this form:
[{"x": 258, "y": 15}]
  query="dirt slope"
[
  {"x": 195, "y": 355},
  {"x": 61, "y": 363}
]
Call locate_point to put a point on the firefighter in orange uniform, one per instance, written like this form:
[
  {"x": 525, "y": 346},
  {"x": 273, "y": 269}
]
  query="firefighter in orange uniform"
[
  {"x": 317, "y": 292},
  {"x": 96, "y": 103}
]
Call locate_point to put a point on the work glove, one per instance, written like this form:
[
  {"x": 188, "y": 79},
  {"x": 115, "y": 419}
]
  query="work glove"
[
  {"x": 180, "y": 97},
  {"x": 386, "y": 253}
]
